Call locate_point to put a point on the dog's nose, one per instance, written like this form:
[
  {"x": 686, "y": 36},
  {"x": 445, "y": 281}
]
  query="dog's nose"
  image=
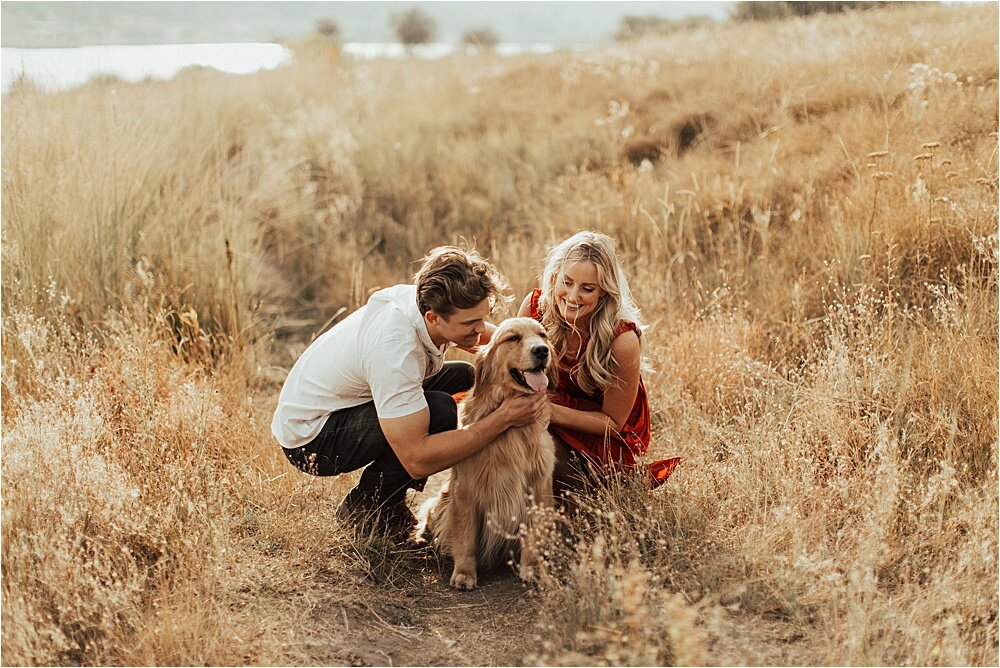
[{"x": 540, "y": 352}]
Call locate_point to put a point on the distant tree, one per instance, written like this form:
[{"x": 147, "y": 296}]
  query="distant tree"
[
  {"x": 636, "y": 27},
  {"x": 763, "y": 11},
  {"x": 760, "y": 11},
  {"x": 807, "y": 8},
  {"x": 414, "y": 26},
  {"x": 482, "y": 39},
  {"x": 328, "y": 28}
]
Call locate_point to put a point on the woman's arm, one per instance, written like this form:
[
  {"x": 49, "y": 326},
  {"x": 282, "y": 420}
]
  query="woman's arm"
[
  {"x": 618, "y": 399},
  {"x": 525, "y": 310}
]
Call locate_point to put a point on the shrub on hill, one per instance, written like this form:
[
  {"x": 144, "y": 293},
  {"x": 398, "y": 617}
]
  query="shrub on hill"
[
  {"x": 413, "y": 27},
  {"x": 637, "y": 27},
  {"x": 481, "y": 39},
  {"x": 763, "y": 11}
]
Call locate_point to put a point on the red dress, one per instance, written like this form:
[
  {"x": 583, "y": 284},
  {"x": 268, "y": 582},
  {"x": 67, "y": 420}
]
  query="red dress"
[{"x": 620, "y": 447}]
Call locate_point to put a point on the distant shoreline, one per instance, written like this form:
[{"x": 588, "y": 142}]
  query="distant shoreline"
[{"x": 63, "y": 68}]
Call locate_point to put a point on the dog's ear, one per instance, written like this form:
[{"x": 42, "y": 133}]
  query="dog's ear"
[{"x": 483, "y": 365}]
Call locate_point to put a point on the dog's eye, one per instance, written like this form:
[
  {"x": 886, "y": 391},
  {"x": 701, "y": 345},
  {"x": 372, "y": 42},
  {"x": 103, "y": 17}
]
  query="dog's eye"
[{"x": 514, "y": 338}]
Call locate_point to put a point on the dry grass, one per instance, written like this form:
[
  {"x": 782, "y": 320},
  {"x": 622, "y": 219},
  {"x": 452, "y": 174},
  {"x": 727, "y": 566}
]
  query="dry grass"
[{"x": 816, "y": 248}]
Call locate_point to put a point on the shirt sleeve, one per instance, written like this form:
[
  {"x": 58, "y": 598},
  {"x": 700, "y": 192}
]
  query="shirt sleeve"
[{"x": 396, "y": 375}]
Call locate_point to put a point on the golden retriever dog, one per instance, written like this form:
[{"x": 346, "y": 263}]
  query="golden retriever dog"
[{"x": 482, "y": 514}]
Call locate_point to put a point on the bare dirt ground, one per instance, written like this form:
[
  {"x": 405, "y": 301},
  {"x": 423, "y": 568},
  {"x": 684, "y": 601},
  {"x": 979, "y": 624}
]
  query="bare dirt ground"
[
  {"x": 429, "y": 623},
  {"x": 351, "y": 619},
  {"x": 372, "y": 607},
  {"x": 402, "y": 613},
  {"x": 366, "y": 604}
]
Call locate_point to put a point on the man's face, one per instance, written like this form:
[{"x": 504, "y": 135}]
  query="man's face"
[{"x": 462, "y": 327}]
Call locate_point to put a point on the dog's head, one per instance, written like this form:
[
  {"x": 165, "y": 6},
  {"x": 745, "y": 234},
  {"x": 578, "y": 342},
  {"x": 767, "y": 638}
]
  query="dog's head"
[{"x": 517, "y": 358}]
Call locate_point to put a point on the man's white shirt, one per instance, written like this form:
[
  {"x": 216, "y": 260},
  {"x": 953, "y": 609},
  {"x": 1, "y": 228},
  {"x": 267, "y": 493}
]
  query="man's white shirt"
[{"x": 382, "y": 352}]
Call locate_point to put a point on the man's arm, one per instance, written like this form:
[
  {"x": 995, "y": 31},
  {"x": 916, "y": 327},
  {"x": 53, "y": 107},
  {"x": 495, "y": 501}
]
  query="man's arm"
[{"x": 423, "y": 454}]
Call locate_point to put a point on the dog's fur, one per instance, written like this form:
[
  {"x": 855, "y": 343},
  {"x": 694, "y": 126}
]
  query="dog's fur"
[{"x": 483, "y": 511}]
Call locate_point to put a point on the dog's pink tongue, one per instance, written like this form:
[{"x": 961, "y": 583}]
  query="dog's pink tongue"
[{"x": 537, "y": 380}]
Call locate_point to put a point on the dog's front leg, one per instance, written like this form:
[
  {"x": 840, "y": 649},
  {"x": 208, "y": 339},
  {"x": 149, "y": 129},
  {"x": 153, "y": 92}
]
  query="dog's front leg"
[
  {"x": 464, "y": 538},
  {"x": 536, "y": 529}
]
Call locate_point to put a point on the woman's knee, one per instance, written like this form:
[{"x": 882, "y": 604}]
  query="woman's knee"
[{"x": 443, "y": 412}]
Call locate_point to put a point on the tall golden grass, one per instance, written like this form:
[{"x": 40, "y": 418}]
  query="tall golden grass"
[{"x": 816, "y": 249}]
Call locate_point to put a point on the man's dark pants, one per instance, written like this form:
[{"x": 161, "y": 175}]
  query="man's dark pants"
[{"x": 352, "y": 438}]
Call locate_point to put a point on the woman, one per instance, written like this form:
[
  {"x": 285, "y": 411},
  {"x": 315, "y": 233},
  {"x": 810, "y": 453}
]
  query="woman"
[{"x": 600, "y": 413}]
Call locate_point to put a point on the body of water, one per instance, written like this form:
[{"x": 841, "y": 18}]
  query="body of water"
[{"x": 60, "y": 69}]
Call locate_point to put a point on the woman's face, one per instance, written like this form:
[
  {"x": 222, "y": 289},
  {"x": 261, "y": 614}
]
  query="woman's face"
[{"x": 577, "y": 292}]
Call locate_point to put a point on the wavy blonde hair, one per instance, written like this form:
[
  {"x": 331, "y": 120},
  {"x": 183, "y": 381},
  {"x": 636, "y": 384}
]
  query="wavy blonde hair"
[{"x": 596, "y": 369}]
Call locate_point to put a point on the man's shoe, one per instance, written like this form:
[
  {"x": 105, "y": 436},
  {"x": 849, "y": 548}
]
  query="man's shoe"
[{"x": 396, "y": 522}]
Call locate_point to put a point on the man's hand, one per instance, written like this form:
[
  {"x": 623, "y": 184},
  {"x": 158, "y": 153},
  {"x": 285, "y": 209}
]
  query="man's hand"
[{"x": 523, "y": 409}]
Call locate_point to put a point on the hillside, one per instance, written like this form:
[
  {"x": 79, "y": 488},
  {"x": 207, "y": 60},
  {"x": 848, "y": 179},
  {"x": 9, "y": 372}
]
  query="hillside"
[{"x": 808, "y": 214}]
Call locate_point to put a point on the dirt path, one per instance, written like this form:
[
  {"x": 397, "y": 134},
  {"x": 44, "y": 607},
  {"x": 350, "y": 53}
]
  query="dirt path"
[
  {"x": 381, "y": 607},
  {"x": 370, "y": 605},
  {"x": 416, "y": 620},
  {"x": 427, "y": 623},
  {"x": 435, "y": 625},
  {"x": 407, "y": 615},
  {"x": 422, "y": 621}
]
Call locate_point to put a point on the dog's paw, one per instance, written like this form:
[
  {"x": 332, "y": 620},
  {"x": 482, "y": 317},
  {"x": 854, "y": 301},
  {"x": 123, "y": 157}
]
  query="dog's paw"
[
  {"x": 420, "y": 538},
  {"x": 466, "y": 581}
]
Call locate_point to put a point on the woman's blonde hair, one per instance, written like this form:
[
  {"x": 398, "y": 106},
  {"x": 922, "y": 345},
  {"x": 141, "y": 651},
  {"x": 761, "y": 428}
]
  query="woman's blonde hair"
[{"x": 596, "y": 369}]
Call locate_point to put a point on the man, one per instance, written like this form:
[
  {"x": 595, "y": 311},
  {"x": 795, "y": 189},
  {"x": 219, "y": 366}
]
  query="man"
[{"x": 374, "y": 391}]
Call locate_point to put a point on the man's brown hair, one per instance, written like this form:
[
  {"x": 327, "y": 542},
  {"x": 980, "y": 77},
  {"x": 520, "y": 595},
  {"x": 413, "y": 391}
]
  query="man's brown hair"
[{"x": 453, "y": 278}]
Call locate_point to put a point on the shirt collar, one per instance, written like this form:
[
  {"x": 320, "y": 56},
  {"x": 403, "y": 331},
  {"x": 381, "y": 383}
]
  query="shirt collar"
[{"x": 413, "y": 313}]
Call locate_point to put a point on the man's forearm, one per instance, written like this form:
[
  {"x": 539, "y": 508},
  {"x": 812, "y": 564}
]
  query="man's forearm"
[{"x": 436, "y": 452}]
